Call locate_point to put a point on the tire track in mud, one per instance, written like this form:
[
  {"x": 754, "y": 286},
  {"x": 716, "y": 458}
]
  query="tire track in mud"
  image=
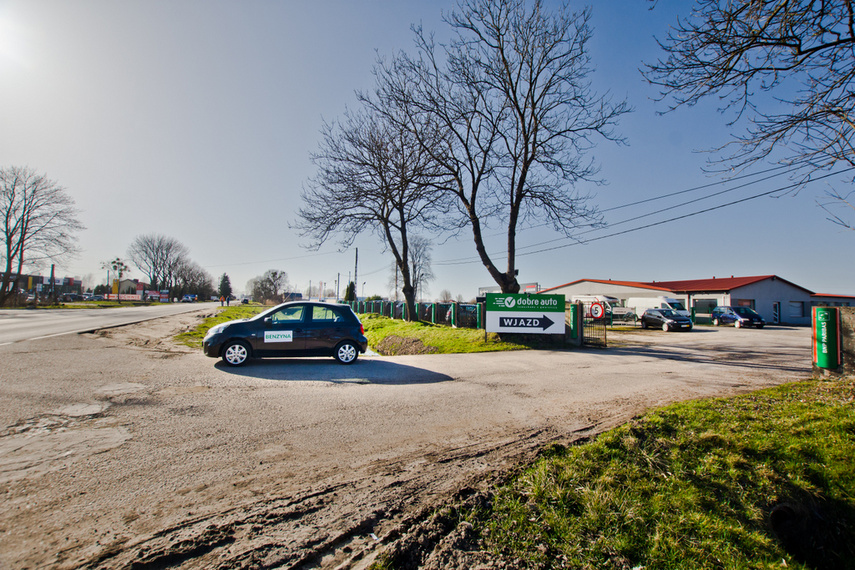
[{"x": 343, "y": 524}]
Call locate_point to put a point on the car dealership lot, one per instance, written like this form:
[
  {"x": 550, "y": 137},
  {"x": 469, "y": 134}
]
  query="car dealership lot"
[{"x": 122, "y": 446}]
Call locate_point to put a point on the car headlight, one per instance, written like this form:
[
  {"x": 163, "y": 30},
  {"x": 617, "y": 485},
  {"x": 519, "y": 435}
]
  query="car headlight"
[{"x": 216, "y": 330}]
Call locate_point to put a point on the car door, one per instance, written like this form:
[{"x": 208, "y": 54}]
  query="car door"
[
  {"x": 324, "y": 329},
  {"x": 282, "y": 332}
]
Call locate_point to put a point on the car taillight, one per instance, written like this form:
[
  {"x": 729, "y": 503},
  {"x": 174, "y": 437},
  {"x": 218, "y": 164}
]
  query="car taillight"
[{"x": 361, "y": 329}]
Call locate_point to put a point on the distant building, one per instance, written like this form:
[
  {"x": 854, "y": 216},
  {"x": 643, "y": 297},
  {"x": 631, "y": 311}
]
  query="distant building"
[
  {"x": 776, "y": 299},
  {"x": 524, "y": 288}
]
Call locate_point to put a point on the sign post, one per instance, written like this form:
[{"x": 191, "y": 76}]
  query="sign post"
[
  {"x": 529, "y": 314},
  {"x": 826, "y": 337}
]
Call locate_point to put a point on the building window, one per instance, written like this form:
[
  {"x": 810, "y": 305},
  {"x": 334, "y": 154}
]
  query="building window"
[
  {"x": 797, "y": 310},
  {"x": 745, "y": 303}
]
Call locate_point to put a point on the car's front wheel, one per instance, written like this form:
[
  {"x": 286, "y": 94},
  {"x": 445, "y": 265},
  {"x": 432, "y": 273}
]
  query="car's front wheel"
[
  {"x": 715, "y": 322},
  {"x": 346, "y": 352},
  {"x": 738, "y": 324},
  {"x": 235, "y": 353},
  {"x": 665, "y": 327}
]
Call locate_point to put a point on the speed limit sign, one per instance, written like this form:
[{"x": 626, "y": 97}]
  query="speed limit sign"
[{"x": 597, "y": 310}]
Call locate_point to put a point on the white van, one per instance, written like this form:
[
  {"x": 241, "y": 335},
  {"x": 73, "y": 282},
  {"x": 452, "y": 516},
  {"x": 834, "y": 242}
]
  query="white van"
[
  {"x": 612, "y": 305},
  {"x": 641, "y": 304}
]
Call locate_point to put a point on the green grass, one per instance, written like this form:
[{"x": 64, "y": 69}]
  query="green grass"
[
  {"x": 194, "y": 338},
  {"x": 445, "y": 339},
  {"x": 692, "y": 485}
]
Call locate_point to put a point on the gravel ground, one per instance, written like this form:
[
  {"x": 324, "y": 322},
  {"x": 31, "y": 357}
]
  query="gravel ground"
[{"x": 122, "y": 449}]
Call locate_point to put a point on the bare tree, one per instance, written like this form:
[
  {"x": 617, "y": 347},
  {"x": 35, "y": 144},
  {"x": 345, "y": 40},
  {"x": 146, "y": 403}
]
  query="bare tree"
[
  {"x": 189, "y": 277},
  {"x": 374, "y": 176},
  {"x": 836, "y": 201},
  {"x": 269, "y": 287},
  {"x": 512, "y": 94},
  {"x": 786, "y": 65},
  {"x": 420, "y": 264},
  {"x": 159, "y": 257},
  {"x": 39, "y": 221}
]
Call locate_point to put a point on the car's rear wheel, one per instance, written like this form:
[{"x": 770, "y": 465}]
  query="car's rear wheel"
[
  {"x": 235, "y": 353},
  {"x": 346, "y": 352},
  {"x": 643, "y": 324},
  {"x": 665, "y": 327}
]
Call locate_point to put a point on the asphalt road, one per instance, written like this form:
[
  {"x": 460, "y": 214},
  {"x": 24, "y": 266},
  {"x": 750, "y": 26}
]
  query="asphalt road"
[
  {"x": 23, "y": 324},
  {"x": 119, "y": 448}
]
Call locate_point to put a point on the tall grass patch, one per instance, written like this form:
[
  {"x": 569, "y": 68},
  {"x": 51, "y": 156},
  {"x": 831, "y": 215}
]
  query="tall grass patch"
[
  {"x": 755, "y": 481},
  {"x": 442, "y": 338},
  {"x": 194, "y": 337}
]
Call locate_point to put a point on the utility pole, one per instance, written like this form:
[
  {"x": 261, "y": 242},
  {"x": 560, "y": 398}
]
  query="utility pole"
[{"x": 355, "y": 269}]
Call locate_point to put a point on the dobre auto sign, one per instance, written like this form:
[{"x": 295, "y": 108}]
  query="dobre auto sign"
[{"x": 533, "y": 314}]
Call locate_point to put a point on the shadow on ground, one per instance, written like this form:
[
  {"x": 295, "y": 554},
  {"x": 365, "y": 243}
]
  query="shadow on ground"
[{"x": 363, "y": 371}]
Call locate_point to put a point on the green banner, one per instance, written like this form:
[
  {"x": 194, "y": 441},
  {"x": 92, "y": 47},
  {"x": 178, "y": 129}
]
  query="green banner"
[
  {"x": 826, "y": 339},
  {"x": 510, "y": 302}
]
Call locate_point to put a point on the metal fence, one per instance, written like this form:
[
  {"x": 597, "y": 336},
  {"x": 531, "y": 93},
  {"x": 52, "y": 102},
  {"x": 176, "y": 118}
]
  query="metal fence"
[
  {"x": 471, "y": 315},
  {"x": 593, "y": 329},
  {"x": 464, "y": 315}
]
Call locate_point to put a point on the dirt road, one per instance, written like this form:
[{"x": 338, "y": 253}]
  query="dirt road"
[{"x": 124, "y": 450}]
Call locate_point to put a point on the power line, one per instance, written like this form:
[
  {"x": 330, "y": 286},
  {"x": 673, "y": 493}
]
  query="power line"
[
  {"x": 782, "y": 189},
  {"x": 469, "y": 259},
  {"x": 767, "y": 193}
]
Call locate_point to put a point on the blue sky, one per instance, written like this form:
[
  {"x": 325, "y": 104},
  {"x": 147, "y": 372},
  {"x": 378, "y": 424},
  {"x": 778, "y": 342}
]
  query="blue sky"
[{"x": 195, "y": 119}]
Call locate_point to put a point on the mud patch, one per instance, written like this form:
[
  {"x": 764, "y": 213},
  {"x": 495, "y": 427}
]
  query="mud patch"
[
  {"x": 48, "y": 443},
  {"x": 398, "y": 346}
]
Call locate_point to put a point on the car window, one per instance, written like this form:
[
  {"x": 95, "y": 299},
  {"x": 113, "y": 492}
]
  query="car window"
[
  {"x": 667, "y": 312},
  {"x": 678, "y": 306},
  {"x": 288, "y": 315},
  {"x": 325, "y": 315}
]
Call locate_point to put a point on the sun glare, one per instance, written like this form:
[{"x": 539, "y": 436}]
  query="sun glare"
[{"x": 11, "y": 43}]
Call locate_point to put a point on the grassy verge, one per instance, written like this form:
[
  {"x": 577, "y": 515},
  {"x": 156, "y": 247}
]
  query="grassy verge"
[
  {"x": 440, "y": 339},
  {"x": 194, "y": 338},
  {"x": 764, "y": 480}
]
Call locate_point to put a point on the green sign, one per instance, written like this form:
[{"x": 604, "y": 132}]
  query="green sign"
[
  {"x": 826, "y": 337},
  {"x": 508, "y": 302},
  {"x": 531, "y": 314}
]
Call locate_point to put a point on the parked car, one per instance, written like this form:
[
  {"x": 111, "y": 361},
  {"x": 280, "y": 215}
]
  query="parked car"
[
  {"x": 666, "y": 319},
  {"x": 188, "y": 299},
  {"x": 290, "y": 329},
  {"x": 738, "y": 316},
  {"x": 641, "y": 304}
]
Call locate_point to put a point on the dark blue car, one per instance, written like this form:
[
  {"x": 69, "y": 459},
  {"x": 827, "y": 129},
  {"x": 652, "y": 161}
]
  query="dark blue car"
[
  {"x": 737, "y": 316},
  {"x": 290, "y": 329}
]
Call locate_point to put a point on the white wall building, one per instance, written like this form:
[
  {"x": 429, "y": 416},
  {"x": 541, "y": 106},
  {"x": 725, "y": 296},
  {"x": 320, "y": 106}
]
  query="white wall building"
[{"x": 776, "y": 299}]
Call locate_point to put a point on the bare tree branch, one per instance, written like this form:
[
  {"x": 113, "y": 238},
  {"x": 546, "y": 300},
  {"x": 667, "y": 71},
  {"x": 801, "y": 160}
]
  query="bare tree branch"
[
  {"x": 511, "y": 94},
  {"x": 39, "y": 223},
  {"x": 786, "y": 65}
]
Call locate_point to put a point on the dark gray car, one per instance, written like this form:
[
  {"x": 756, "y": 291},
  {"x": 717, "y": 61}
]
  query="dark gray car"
[{"x": 666, "y": 319}]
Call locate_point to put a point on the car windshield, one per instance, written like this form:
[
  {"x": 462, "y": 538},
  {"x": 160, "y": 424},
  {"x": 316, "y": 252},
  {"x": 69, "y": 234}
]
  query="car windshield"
[
  {"x": 668, "y": 313},
  {"x": 745, "y": 312},
  {"x": 677, "y": 306}
]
